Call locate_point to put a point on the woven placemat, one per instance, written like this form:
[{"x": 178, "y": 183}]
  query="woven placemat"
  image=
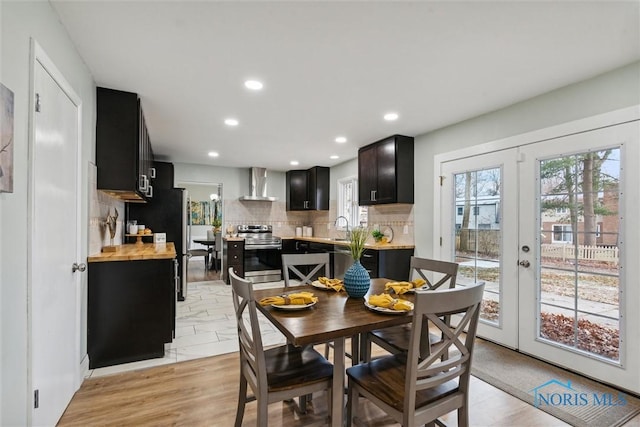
[{"x": 572, "y": 398}]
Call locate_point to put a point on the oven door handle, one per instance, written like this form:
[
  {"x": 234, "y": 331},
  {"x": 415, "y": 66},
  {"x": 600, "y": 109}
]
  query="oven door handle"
[{"x": 252, "y": 247}]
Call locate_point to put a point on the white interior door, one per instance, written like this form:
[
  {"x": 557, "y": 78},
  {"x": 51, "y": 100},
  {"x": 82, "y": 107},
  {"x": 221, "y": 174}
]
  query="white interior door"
[
  {"x": 54, "y": 311},
  {"x": 549, "y": 226},
  {"x": 479, "y": 211}
]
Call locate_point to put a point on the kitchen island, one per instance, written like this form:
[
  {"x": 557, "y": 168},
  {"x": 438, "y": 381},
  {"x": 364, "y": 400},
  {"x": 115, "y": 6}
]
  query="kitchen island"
[
  {"x": 379, "y": 259},
  {"x": 131, "y": 303}
]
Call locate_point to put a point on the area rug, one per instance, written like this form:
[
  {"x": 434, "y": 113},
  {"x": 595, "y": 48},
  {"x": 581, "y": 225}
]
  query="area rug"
[{"x": 572, "y": 398}]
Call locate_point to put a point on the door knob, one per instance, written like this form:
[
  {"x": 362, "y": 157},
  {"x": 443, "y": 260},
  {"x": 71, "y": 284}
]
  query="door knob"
[
  {"x": 78, "y": 267},
  {"x": 525, "y": 263}
]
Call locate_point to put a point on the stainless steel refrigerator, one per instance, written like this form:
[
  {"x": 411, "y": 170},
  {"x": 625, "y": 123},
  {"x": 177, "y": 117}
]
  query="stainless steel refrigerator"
[{"x": 167, "y": 213}]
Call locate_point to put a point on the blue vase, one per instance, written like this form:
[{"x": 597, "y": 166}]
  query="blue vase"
[{"x": 357, "y": 280}]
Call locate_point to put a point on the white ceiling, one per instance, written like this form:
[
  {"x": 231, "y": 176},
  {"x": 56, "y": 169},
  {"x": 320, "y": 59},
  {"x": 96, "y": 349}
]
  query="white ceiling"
[{"x": 334, "y": 68}]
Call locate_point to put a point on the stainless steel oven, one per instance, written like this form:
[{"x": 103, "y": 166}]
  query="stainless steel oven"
[{"x": 262, "y": 253}]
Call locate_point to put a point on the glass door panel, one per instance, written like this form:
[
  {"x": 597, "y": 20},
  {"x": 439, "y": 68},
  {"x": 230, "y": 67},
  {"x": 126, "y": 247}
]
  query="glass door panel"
[
  {"x": 578, "y": 300},
  {"x": 478, "y": 206}
]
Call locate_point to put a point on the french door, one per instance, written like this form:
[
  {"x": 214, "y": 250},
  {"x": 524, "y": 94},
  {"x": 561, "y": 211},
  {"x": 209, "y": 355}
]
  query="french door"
[{"x": 548, "y": 227}]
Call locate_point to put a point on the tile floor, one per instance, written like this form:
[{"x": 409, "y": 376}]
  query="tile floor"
[{"x": 205, "y": 326}]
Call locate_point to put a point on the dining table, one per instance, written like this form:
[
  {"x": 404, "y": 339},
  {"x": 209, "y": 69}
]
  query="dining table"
[{"x": 333, "y": 318}]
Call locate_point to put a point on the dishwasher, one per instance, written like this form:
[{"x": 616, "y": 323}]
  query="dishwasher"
[{"x": 342, "y": 260}]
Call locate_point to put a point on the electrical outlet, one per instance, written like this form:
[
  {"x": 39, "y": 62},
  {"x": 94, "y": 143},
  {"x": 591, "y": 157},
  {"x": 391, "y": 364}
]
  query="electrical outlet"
[{"x": 405, "y": 229}]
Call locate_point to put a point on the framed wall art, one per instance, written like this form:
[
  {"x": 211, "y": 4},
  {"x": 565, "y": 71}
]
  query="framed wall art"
[{"x": 6, "y": 139}]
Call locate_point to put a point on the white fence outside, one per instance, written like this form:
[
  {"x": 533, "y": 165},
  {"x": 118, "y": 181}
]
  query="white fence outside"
[{"x": 592, "y": 253}]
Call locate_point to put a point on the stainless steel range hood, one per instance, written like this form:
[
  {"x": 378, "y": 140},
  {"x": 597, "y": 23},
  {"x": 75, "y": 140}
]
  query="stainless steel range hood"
[{"x": 258, "y": 188}]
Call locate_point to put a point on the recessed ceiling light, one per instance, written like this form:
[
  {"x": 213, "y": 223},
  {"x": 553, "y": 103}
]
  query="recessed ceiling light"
[
  {"x": 334, "y": 157},
  {"x": 294, "y": 163},
  {"x": 213, "y": 154},
  {"x": 341, "y": 139},
  {"x": 391, "y": 116},
  {"x": 231, "y": 122},
  {"x": 253, "y": 84}
]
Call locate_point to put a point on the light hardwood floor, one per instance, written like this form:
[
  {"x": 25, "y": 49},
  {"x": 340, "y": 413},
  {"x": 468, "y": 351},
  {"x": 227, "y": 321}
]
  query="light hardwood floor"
[{"x": 203, "y": 392}]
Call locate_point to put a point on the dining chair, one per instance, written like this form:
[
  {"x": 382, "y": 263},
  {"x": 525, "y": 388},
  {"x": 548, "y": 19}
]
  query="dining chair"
[
  {"x": 417, "y": 389},
  {"x": 216, "y": 250},
  {"x": 395, "y": 339},
  {"x": 199, "y": 252},
  {"x": 295, "y": 262},
  {"x": 276, "y": 374}
]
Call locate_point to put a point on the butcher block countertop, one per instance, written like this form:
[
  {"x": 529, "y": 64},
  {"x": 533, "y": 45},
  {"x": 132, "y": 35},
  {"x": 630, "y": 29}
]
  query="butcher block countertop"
[
  {"x": 135, "y": 252},
  {"x": 345, "y": 243}
]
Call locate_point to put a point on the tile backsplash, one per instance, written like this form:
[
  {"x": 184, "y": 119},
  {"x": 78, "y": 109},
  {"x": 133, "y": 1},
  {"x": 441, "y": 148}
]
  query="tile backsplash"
[
  {"x": 100, "y": 206},
  {"x": 398, "y": 217}
]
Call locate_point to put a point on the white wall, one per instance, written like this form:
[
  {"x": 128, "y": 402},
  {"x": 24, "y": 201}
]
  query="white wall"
[
  {"x": 20, "y": 22},
  {"x": 608, "y": 92}
]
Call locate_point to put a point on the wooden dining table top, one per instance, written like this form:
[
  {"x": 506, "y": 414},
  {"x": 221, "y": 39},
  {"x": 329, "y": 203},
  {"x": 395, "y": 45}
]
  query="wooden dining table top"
[{"x": 335, "y": 315}]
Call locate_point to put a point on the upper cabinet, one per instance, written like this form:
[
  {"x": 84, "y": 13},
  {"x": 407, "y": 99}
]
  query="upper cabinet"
[
  {"x": 123, "y": 149},
  {"x": 385, "y": 171},
  {"x": 308, "y": 189}
]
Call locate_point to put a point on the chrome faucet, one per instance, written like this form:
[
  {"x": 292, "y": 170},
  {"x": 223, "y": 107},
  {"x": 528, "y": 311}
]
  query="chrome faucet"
[{"x": 348, "y": 233}]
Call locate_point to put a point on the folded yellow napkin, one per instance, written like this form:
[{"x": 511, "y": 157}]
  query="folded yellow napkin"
[
  {"x": 298, "y": 298},
  {"x": 387, "y": 301},
  {"x": 402, "y": 287},
  {"x": 335, "y": 284}
]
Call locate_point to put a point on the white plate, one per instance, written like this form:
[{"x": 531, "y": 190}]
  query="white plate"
[
  {"x": 317, "y": 284},
  {"x": 293, "y": 306},
  {"x": 387, "y": 310}
]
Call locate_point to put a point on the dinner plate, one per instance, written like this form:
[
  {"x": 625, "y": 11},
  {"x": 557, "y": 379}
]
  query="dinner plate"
[
  {"x": 387, "y": 310},
  {"x": 293, "y": 307},
  {"x": 317, "y": 284}
]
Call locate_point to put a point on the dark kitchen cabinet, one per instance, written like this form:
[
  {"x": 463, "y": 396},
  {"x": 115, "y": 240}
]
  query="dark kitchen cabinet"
[
  {"x": 308, "y": 189},
  {"x": 130, "y": 310},
  {"x": 385, "y": 171},
  {"x": 233, "y": 256},
  {"x": 124, "y": 156},
  {"x": 389, "y": 263}
]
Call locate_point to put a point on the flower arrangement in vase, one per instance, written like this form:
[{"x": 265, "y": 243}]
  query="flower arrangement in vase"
[{"x": 356, "y": 278}]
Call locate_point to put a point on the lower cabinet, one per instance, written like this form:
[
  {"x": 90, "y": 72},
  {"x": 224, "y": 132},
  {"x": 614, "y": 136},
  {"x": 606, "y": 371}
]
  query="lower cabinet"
[
  {"x": 389, "y": 263},
  {"x": 233, "y": 256},
  {"x": 131, "y": 310}
]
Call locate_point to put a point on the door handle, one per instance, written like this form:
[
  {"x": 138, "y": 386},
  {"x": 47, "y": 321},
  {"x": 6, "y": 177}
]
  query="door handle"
[
  {"x": 78, "y": 267},
  {"x": 525, "y": 263}
]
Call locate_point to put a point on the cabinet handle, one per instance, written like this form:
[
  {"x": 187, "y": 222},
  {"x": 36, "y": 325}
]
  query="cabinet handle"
[
  {"x": 143, "y": 183},
  {"x": 150, "y": 191},
  {"x": 367, "y": 256},
  {"x": 373, "y": 195},
  {"x": 152, "y": 172}
]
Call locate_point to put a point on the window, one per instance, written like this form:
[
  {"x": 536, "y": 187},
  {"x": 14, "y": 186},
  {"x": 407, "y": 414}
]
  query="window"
[
  {"x": 476, "y": 210},
  {"x": 562, "y": 233},
  {"x": 460, "y": 210},
  {"x": 562, "y": 211},
  {"x": 348, "y": 203}
]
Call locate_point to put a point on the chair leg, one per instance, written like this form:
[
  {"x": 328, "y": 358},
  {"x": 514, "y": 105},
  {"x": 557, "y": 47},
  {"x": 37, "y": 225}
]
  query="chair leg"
[
  {"x": 463, "y": 416},
  {"x": 242, "y": 400},
  {"x": 352, "y": 404},
  {"x": 263, "y": 413}
]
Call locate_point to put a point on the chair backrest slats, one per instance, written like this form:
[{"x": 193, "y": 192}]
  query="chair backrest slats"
[
  {"x": 430, "y": 370},
  {"x": 250, "y": 341},
  {"x": 449, "y": 270},
  {"x": 291, "y": 262}
]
